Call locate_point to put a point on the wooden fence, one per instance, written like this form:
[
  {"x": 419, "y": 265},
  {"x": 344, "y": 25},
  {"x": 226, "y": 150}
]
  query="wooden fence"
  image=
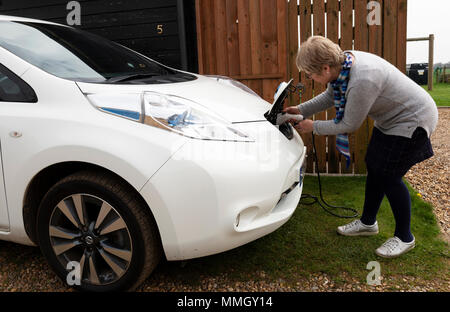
[{"x": 256, "y": 42}]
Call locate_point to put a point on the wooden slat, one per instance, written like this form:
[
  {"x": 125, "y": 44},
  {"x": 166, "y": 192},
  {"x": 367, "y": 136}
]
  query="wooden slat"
[
  {"x": 305, "y": 33},
  {"x": 26, "y": 4},
  {"x": 376, "y": 36},
  {"x": 333, "y": 20},
  {"x": 294, "y": 99},
  {"x": 232, "y": 37},
  {"x": 211, "y": 38},
  {"x": 401, "y": 34},
  {"x": 319, "y": 30},
  {"x": 208, "y": 31},
  {"x": 221, "y": 37},
  {"x": 140, "y": 31},
  {"x": 375, "y": 47},
  {"x": 346, "y": 43},
  {"x": 245, "y": 58},
  {"x": 361, "y": 26},
  {"x": 126, "y": 18},
  {"x": 362, "y": 44},
  {"x": 277, "y": 76},
  {"x": 255, "y": 44},
  {"x": 390, "y": 31},
  {"x": 332, "y": 34},
  {"x": 346, "y": 24},
  {"x": 200, "y": 34},
  {"x": 269, "y": 43},
  {"x": 88, "y": 6},
  {"x": 255, "y": 36},
  {"x": 282, "y": 38}
]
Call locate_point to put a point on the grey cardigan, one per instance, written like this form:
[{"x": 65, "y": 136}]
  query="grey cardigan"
[{"x": 379, "y": 90}]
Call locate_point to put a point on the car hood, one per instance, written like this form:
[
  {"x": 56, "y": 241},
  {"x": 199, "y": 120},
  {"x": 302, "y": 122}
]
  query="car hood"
[{"x": 232, "y": 103}]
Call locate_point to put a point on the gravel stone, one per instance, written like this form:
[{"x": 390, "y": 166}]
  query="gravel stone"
[{"x": 431, "y": 178}]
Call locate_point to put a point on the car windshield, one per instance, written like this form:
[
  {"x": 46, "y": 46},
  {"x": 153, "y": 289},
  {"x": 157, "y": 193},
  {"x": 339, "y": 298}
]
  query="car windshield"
[{"x": 77, "y": 55}]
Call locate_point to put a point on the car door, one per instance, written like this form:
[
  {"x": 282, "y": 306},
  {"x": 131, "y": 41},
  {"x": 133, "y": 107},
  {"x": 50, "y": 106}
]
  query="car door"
[
  {"x": 13, "y": 91},
  {"x": 4, "y": 222}
]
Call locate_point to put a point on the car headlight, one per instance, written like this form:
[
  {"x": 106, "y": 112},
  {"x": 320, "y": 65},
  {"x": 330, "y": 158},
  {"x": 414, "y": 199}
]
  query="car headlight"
[
  {"x": 231, "y": 82},
  {"x": 169, "y": 112}
]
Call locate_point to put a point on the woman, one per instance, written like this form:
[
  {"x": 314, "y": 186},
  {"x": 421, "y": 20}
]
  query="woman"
[{"x": 361, "y": 84}]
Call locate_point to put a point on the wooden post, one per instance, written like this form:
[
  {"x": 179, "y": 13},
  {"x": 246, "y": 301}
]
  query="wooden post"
[
  {"x": 430, "y": 40},
  {"x": 430, "y": 62}
]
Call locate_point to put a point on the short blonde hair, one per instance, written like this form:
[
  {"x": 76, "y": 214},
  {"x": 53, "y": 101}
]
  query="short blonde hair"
[{"x": 316, "y": 52}]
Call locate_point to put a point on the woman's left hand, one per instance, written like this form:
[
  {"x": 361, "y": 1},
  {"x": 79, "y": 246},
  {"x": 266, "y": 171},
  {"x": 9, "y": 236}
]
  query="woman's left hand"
[{"x": 305, "y": 126}]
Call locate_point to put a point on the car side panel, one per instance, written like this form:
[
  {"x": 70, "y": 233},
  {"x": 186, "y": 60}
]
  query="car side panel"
[
  {"x": 6, "y": 59},
  {"x": 63, "y": 126},
  {"x": 4, "y": 218}
]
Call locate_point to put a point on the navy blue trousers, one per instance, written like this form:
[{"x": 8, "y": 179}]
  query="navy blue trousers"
[
  {"x": 377, "y": 186},
  {"x": 388, "y": 159}
]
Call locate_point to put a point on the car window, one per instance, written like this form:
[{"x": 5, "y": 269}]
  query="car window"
[
  {"x": 14, "y": 89},
  {"x": 78, "y": 55}
]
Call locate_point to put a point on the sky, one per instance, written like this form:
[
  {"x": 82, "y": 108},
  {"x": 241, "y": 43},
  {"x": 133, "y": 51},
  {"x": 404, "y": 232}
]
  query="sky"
[{"x": 427, "y": 17}]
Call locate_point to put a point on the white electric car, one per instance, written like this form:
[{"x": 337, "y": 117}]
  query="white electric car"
[{"x": 110, "y": 160}]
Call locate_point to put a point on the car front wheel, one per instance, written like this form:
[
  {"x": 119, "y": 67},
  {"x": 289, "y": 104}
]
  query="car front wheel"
[{"x": 97, "y": 234}]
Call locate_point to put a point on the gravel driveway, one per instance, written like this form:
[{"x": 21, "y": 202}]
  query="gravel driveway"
[
  {"x": 431, "y": 178},
  {"x": 24, "y": 268}
]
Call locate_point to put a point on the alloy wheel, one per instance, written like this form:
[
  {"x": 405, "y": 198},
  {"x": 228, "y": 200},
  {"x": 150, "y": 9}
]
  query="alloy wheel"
[{"x": 88, "y": 230}]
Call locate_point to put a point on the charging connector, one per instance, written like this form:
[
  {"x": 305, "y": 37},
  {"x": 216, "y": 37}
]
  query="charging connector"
[{"x": 279, "y": 118}]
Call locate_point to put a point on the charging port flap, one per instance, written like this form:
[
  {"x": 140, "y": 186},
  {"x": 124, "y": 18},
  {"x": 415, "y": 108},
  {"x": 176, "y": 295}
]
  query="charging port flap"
[{"x": 277, "y": 108}]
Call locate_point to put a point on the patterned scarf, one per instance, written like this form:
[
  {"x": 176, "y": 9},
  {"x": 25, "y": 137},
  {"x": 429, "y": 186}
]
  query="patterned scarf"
[{"x": 340, "y": 87}]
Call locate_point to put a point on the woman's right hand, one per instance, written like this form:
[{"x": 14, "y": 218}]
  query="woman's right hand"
[{"x": 292, "y": 110}]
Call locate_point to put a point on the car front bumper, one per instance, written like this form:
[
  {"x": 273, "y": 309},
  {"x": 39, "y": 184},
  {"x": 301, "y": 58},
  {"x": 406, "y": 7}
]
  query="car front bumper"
[{"x": 213, "y": 196}]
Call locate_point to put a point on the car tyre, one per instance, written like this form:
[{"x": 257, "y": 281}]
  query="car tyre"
[{"x": 100, "y": 223}]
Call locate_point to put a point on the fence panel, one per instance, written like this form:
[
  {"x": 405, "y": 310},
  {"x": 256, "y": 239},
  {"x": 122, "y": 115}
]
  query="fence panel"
[
  {"x": 256, "y": 42},
  {"x": 246, "y": 40}
]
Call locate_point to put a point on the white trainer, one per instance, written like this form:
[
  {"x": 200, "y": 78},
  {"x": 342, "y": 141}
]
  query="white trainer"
[
  {"x": 394, "y": 247},
  {"x": 357, "y": 228}
]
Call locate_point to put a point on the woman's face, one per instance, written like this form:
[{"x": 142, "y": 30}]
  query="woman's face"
[{"x": 327, "y": 75}]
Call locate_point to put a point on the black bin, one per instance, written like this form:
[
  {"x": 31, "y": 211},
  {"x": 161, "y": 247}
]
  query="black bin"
[{"x": 419, "y": 73}]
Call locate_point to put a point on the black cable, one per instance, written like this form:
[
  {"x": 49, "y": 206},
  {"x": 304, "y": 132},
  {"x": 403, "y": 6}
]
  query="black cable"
[{"x": 315, "y": 199}]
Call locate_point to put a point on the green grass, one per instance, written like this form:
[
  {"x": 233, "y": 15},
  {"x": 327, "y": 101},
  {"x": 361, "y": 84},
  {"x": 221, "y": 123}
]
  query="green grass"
[
  {"x": 440, "y": 93},
  {"x": 308, "y": 244}
]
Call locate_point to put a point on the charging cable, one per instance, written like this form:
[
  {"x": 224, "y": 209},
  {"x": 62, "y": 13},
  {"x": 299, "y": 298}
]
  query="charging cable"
[
  {"x": 314, "y": 199},
  {"x": 310, "y": 199}
]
